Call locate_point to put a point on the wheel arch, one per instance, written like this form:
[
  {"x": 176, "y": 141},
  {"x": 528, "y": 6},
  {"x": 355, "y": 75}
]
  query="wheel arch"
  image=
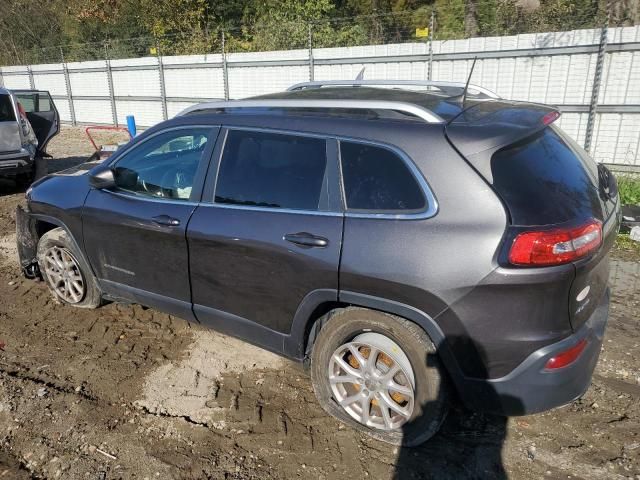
[
  {"x": 44, "y": 226},
  {"x": 319, "y": 302},
  {"x": 30, "y": 228},
  {"x": 45, "y": 223}
]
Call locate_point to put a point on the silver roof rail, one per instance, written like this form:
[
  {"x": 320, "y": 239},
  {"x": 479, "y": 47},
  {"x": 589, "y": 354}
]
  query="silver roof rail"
[
  {"x": 416, "y": 110},
  {"x": 420, "y": 83}
]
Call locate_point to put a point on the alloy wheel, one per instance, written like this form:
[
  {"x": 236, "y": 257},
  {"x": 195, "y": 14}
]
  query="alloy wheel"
[
  {"x": 372, "y": 380},
  {"x": 65, "y": 276}
]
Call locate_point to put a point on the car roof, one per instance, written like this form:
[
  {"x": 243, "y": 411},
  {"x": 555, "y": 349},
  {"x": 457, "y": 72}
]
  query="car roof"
[{"x": 440, "y": 103}]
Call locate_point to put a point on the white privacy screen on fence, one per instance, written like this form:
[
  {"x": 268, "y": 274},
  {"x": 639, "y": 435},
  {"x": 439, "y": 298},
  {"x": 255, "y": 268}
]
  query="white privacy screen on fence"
[{"x": 556, "y": 68}]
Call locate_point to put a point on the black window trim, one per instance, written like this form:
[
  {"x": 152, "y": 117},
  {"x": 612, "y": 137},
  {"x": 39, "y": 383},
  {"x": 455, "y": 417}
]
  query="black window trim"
[
  {"x": 333, "y": 142},
  {"x": 210, "y": 198},
  {"x": 429, "y": 211},
  {"x": 196, "y": 192}
]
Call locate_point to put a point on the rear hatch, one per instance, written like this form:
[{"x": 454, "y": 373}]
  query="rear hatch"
[
  {"x": 10, "y": 140},
  {"x": 551, "y": 189},
  {"x": 42, "y": 115}
]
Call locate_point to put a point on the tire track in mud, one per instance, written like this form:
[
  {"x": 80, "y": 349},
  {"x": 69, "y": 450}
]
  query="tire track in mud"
[
  {"x": 221, "y": 384},
  {"x": 270, "y": 414}
]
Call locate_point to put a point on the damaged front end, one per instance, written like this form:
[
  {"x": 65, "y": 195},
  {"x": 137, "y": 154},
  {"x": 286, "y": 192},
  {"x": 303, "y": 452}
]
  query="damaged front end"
[{"x": 27, "y": 240}]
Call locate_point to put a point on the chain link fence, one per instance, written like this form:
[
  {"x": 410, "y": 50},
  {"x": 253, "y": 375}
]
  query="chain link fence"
[{"x": 581, "y": 57}]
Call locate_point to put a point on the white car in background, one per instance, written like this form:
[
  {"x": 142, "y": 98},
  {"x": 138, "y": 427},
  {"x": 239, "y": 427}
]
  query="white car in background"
[{"x": 28, "y": 120}]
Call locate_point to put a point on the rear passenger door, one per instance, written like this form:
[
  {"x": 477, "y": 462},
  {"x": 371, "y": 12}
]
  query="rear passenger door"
[
  {"x": 267, "y": 233},
  {"x": 41, "y": 113}
]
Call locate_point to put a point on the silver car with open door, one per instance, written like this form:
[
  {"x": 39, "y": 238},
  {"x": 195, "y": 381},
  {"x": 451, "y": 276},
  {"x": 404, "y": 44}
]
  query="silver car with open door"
[{"x": 28, "y": 121}]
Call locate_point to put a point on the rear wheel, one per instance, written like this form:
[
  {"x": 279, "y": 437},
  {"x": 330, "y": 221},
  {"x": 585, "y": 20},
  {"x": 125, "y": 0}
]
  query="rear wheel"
[
  {"x": 63, "y": 268},
  {"x": 380, "y": 374}
]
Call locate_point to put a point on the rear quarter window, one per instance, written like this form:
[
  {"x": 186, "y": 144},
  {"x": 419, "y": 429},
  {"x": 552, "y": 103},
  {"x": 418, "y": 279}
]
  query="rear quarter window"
[
  {"x": 378, "y": 180},
  {"x": 6, "y": 109},
  {"x": 543, "y": 181}
]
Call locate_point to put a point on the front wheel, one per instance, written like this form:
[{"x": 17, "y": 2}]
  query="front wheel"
[
  {"x": 380, "y": 374},
  {"x": 65, "y": 271}
]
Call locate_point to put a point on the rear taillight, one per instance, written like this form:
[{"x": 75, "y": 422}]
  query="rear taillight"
[
  {"x": 550, "y": 117},
  {"x": 554, "y": 247},
  {"x": 567, "y": 357}
]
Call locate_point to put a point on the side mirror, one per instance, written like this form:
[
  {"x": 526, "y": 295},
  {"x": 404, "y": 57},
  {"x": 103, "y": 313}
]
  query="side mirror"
[{"x": 102, "y": 180}]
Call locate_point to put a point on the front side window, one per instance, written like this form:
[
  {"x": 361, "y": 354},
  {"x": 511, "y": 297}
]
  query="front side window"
[
  {"x": 377, "y": 180},
  {"x": 165, "y": 165},
  {"x": 273, "y": 170}
]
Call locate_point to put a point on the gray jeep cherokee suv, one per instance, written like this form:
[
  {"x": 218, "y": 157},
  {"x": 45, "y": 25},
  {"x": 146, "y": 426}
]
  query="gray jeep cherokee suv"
[{"x": 407, "y": 242}]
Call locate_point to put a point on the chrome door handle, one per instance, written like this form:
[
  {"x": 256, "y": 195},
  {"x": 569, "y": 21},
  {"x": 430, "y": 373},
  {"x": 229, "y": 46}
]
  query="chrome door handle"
[{"x": 305, "y": 239}]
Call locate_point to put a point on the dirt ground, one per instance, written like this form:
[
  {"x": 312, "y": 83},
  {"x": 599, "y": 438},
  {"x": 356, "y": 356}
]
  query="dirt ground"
[{"x": 128, "y": 392}]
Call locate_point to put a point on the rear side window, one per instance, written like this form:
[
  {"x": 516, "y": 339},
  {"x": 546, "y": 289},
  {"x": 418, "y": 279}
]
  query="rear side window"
[
  {"x": 6, "y": 109},
  {"x": 35, "y": 102},
  {"x": 273, "y": 170},
  {"x": 544, "y": 181},
  {"x": 378, "y": 180}
]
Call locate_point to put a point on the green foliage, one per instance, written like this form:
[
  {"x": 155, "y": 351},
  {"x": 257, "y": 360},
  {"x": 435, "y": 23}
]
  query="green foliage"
[
  {"x": 629, "y": 188},
  {"x": 450, "y": 19},
  {"x": 283, "y": 24},
  {"x": 34, "y": 32},
  {"x": 628, "y": 246}
]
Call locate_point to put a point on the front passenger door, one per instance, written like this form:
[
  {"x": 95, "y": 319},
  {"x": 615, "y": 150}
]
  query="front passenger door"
[{"x": 135, "y": 233}]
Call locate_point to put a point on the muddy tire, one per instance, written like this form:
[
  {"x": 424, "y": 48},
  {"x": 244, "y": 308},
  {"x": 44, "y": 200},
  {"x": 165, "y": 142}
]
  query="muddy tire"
[
  {"x": 340, "y": 374},
  {"x": 65, "y": 271}
]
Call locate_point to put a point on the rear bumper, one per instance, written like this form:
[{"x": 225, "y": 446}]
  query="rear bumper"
[
  {"x": 529, "y": 388},
  {"x": 13, "y": 163}
]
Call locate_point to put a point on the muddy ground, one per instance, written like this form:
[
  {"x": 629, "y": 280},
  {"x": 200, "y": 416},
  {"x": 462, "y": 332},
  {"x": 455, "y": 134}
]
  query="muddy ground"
[{"x": 128, "y": 392}]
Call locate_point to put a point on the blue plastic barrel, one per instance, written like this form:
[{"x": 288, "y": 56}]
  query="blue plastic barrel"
[{"x": 131, "y": 125}]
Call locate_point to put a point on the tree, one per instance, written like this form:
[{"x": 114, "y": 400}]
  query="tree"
[{"x": 471, "y": 18}]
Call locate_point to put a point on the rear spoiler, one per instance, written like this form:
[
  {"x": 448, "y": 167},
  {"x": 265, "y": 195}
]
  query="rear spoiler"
[{"x": 487, "y": 126}]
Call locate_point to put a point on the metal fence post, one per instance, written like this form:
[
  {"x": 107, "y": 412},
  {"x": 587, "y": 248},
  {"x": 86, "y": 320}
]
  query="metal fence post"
[
  {"x": 311, "y": 63},
  {"x": 114, "y": 112},
  {"x": 163, "y": 88},
  {"x": 32, "y": 83},
  {"x": 67, "y": 82},
  {"x": 1, "y": 78},
  {"x": 225, "y": 72},
  {"x": 597, "y": 80},
  {"x": 431, "y": 26}
]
